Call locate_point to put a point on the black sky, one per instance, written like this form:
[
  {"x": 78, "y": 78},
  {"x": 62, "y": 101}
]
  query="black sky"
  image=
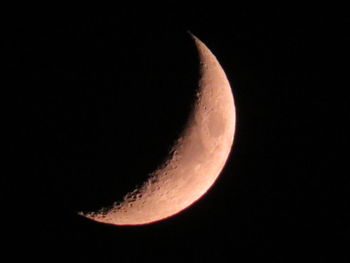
[{"x": 97, "y": 100}]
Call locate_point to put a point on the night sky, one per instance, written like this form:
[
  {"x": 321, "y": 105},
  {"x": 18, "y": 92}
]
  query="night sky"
[{"x": 96, "y": 102}]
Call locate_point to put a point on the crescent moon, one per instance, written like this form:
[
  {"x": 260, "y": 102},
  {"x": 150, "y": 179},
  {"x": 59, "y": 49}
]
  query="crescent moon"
[{"x": 194, "y": 162}]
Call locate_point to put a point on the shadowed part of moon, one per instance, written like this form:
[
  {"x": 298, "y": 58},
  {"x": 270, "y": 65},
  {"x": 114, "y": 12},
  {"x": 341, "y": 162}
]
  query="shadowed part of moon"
[{"x": 195, "y": 161}]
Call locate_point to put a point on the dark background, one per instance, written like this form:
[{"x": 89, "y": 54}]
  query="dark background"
[{"x": 95, "y": 102}]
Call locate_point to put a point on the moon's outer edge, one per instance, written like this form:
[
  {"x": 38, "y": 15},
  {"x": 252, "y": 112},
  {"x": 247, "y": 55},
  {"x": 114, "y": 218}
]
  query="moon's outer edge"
[{"x": 160, "y": 196}]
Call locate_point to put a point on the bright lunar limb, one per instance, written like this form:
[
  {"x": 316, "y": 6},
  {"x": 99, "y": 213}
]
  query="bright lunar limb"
[{"x": 195, "y": 161}]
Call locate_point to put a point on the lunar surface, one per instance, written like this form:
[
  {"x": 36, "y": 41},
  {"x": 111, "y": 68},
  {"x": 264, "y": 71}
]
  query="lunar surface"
[{"x": 195, "y": 161}]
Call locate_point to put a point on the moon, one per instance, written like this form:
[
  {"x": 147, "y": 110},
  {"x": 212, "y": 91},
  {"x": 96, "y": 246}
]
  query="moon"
[{"x": 195, "y": 160}]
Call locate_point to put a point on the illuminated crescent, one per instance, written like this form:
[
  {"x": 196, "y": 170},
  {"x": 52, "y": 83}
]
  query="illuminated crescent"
[{"x": 195, "y": 161}]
